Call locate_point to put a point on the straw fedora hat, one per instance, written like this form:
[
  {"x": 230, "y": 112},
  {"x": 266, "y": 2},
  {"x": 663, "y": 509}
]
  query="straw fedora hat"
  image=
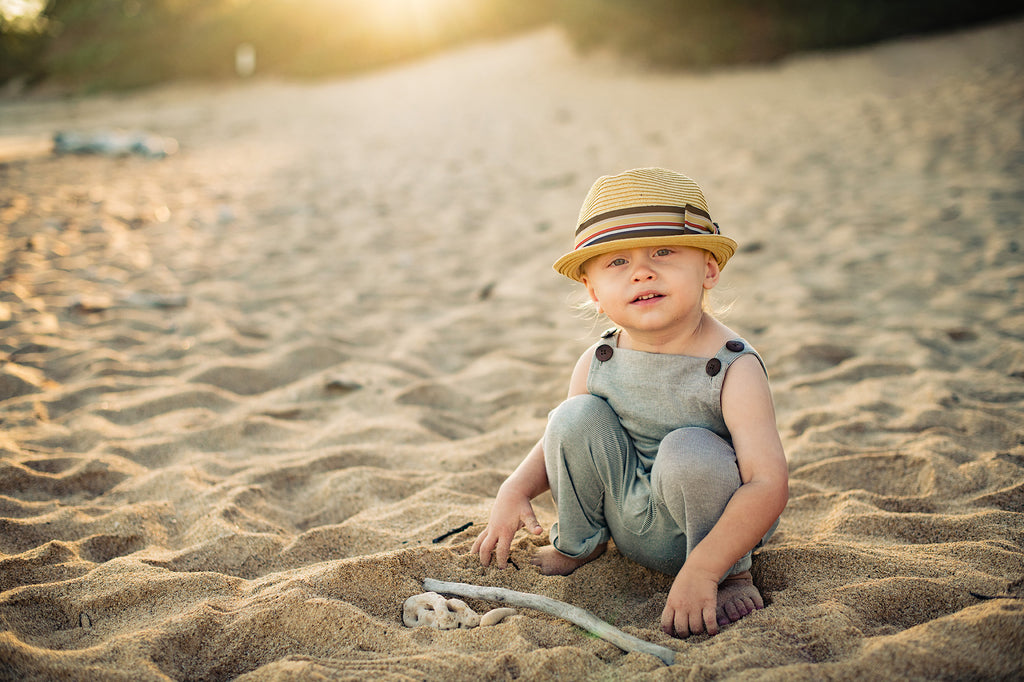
[{"x": 643, "y": 207}]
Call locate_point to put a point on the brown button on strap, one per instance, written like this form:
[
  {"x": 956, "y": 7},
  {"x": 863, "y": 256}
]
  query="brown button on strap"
[
  {"x": 713, "y": 367},
  {"x": 604, "y": 352},
  {"x": 734, "y": 345}
]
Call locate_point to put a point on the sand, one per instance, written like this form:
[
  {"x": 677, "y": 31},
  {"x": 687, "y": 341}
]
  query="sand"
[{"x": 245, "y": 387}]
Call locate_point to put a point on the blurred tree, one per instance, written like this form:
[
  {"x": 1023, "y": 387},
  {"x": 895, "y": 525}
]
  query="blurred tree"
[
  {"x": 22, "y": 41},
  {"x": 98, "y": 44},
  {"x": 701, "y": 33},
  {"x": 118, "y": 43}
]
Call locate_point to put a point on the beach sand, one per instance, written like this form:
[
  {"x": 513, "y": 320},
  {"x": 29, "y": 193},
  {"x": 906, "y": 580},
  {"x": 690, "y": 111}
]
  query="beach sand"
[{"x": 245, "y": 388}]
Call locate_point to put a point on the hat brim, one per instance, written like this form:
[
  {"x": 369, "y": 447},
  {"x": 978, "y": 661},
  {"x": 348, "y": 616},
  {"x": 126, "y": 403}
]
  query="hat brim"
[{"x": 571, "y": 264}]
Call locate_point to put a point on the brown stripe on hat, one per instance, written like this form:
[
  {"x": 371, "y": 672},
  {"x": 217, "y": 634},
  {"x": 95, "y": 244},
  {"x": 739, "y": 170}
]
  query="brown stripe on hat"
[{"x": 681, "y": 210}]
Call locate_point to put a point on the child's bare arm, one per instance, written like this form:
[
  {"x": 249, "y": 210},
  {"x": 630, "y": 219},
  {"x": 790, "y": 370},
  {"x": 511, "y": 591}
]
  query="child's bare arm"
[
  {"x": 747, "y": 407},
  {"x": 512, "y": 509}
]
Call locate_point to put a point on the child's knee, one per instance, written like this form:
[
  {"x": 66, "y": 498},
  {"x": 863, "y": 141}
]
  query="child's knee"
[
  {"x": 585, "y": 438},
  {"x": 694, "y": 456},
  {"x": 577, "y": 419}
]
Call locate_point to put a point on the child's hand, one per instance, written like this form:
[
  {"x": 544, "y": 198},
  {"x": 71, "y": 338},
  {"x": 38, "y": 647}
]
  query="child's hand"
[
  {"x": 692, "y": 604},
  {"x": 511, "y": 512}
]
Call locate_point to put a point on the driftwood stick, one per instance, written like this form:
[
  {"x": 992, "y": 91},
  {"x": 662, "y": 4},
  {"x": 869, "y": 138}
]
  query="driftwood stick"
[{"x": 573, "y": 614}]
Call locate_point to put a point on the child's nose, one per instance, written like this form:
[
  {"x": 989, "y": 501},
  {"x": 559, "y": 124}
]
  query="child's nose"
[{"x": 641, "y": 271}]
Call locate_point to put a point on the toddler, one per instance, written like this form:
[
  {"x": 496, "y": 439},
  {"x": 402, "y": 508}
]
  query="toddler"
[{"x": 667, "y": 442}]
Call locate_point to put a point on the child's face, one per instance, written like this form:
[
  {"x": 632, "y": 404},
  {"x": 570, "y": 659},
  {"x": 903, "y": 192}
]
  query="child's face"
[{"x": 650, "y": 288}]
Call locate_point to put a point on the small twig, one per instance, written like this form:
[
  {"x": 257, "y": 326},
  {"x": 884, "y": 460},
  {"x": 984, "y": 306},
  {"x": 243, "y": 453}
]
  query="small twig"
[
  {"x": 978, "y": 595},
  {"x": 573, "y": 614},
  {"x": 452, "y": 532}
]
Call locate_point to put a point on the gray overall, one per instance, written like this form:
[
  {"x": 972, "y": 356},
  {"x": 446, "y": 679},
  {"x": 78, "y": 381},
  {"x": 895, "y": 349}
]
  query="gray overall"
[{"x": 645, "y": 458}]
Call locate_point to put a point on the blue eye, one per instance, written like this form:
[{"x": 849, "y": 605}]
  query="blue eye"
[
  {"x": 663, "y": 252},
  {"x": 617, "y": 262}
]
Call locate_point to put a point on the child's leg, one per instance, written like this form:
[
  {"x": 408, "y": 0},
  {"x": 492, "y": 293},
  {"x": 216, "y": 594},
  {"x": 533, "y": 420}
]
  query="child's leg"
[
  {"x": 591, "y": 462},
  {"x": 694, "y": 476}
]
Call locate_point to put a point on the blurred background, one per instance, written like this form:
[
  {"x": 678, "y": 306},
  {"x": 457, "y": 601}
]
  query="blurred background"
[{"x": 90, "y": 45}]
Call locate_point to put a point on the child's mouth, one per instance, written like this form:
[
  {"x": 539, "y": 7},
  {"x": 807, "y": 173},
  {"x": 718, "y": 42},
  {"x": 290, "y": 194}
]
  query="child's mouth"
[{"x": 642, "y": 298}]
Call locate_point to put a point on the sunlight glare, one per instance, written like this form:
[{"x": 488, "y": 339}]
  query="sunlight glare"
[
  {"x": 12, "y": 9},
  {"x": 406, "y": 19},
  {"x": 410, "y": 6}
]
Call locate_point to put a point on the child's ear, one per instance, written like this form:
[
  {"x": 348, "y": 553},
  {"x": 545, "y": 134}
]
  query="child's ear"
[
  {"x": 712, "y": 272},
  {"x": 592, "y": 293}
]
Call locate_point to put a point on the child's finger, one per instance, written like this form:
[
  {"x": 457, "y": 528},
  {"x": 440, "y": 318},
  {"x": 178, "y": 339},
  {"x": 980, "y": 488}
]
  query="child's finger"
[
  {"x": 669, "y": 625},
  {"x": 484, "y": 549},
  {"x": 694, "y": 623},
  {"x": 502, "y": 551},
  {"x": 531, "y": 524},
  {"x": 711, "y": 619},
  {"x": 480, "y": 551}
]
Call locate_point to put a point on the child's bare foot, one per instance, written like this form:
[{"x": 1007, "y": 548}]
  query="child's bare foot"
[
  {"x": 552, "y": 562},
  {"x": 737, "y": 597}
]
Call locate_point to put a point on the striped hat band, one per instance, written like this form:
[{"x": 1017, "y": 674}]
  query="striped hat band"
[{"x": 644, "y": 221}]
